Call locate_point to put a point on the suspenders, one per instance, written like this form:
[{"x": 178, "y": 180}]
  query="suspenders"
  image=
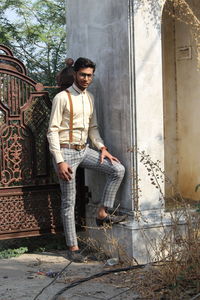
[{"x": 72, "y": 113}]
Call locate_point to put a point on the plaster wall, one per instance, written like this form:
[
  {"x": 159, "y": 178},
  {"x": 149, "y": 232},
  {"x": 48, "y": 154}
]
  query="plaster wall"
[
  {"x": 126, "y": 46},
  {"x": 99, "y": 30},
  {"x": 127, "y": 87},
  {"x": 188, "y": 106},
  {"x": 181, "y": 94},
  {"x": 125, "y": 42},
  {"x": 170, "y": 102},
  {"x": 148, "y": 101}
]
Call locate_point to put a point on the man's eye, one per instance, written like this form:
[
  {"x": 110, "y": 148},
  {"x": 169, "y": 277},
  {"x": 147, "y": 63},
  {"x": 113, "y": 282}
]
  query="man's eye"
[{"x": 86, "y": 75}]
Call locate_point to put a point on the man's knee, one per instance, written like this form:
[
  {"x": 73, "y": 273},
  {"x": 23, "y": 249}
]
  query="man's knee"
[{"x": 119, "y": 170}]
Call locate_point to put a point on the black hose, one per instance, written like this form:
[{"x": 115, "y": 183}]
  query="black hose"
[{"x": 75, "y": 283}]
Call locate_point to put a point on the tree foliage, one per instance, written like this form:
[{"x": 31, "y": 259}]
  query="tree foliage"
[{"x": 35, "y": 31}]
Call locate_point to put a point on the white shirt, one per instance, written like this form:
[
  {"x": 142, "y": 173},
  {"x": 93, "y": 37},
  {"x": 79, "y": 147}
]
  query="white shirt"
[{"x": 84, "y": 121}]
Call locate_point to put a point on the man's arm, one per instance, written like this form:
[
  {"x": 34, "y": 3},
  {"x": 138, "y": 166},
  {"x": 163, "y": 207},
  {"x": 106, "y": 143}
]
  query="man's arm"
[
  {"x": 94, "y": 132},
  {"x": 54, "y": 128},
  {"x": 58, "y": 105},
  {"x": 97, "y": 140}
]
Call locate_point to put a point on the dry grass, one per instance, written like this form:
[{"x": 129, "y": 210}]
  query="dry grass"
[
  {"x": 96, "y": 248},
  {"x": 176, "y": 275}
]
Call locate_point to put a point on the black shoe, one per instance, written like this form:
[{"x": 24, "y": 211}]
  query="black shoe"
[
  {"x": 76, "y": 256},
  {"x": 110, "y": 219}
]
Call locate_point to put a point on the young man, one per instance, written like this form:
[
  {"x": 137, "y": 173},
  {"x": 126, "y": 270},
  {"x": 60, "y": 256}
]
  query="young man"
[{"x": 72, "y": 122}]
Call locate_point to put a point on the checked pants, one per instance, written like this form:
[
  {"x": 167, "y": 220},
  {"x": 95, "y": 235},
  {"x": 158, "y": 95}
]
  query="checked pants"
[{"x": 89, "y": 159}]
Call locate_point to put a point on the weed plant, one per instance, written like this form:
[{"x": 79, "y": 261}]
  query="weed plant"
[
  {"x": 176, "y": 249},
  {"x": 16, "y": 247}
]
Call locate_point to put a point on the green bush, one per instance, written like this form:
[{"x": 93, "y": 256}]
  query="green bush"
[{"x": 8, "y": 253}]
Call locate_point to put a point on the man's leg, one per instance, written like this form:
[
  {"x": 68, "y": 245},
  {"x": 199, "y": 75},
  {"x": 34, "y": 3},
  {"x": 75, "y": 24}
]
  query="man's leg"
[
  {"x": 114, "y": 172},
  {"x": 68, "y": 198}
]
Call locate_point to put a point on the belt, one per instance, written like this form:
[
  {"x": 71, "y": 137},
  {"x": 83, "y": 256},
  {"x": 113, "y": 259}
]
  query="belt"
[{"x": 73, "y": 146}]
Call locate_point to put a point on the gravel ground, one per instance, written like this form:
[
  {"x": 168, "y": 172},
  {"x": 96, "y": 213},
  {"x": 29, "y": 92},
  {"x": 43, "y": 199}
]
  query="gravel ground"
[{"x": 24, "y": 277}]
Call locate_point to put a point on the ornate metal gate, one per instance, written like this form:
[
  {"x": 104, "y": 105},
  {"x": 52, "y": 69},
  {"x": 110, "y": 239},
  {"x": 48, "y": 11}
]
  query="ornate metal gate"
[{"x": 29, "y": 194}]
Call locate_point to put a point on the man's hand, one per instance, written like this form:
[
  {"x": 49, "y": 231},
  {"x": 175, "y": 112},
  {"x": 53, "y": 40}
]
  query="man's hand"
[
  {"x": 64, "y": 171},
  {"x": 106, "y": 154}
]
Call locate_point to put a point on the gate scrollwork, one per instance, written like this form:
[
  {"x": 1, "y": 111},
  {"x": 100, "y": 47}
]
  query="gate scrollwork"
[{"x": 29, "y": 194}]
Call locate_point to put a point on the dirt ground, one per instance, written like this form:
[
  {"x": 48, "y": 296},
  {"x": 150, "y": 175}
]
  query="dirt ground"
[{"x": 24, "y": 277}]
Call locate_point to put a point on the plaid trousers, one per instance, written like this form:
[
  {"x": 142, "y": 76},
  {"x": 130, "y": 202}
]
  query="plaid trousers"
[{"x": 90, "y": 159}]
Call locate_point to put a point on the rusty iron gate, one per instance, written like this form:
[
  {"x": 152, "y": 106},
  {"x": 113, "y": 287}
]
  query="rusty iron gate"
[{"x": 29, "y": 192}]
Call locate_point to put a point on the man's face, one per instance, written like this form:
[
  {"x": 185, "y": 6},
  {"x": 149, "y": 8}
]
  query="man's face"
[{"x": 83, "y": 78}]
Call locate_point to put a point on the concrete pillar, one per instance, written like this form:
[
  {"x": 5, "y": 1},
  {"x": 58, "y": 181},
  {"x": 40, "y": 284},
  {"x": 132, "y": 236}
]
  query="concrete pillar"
[
  {"x": 99, "y": 30},
  {"x": 129, "y": 101}
]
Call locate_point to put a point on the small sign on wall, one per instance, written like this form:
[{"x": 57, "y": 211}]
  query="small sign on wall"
[{"x": 184, "y": 53}]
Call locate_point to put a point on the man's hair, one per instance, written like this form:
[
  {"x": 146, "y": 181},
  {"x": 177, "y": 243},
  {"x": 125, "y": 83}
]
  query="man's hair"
[{"x": 82, "y": 63}]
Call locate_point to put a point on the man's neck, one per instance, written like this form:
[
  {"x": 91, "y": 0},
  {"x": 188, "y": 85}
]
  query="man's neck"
[{"x": 78, "y": 88}]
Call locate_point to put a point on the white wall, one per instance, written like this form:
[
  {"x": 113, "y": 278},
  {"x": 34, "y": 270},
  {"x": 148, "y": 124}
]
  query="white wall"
[{"x": 149, "y": 101}]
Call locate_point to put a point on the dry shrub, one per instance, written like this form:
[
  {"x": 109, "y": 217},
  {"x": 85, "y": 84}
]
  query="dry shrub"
[
  {"x": 176, "y": 273},
  {"x": 180, "y": 10},
  {"x": 106, "y": 247}
]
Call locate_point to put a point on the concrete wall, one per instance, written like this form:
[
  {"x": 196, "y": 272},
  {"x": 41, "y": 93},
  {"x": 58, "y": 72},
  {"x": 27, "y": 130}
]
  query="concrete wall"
[
  {"x": 124, "y": 40},
  {"x": 127, "y": 87},
  {"x": 170, "y": 101},
  {"x": 99, "y": 30},
  {"x": 148, "y": 99},
  {"x": 181, "y": 94},
  {"x": 188, "y": 107}
]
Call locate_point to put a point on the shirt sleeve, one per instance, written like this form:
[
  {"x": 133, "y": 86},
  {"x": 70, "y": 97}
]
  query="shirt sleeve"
[
  {"x": 54, "y": 126},
  {"x": 94, "y": 132}
]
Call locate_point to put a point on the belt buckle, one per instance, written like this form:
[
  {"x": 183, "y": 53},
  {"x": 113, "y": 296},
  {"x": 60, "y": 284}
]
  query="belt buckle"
[{"x": 78, "y": 147}]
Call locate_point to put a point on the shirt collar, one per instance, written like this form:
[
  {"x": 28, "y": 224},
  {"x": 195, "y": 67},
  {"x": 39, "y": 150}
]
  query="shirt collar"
[{"x": 77, "y": 89}]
